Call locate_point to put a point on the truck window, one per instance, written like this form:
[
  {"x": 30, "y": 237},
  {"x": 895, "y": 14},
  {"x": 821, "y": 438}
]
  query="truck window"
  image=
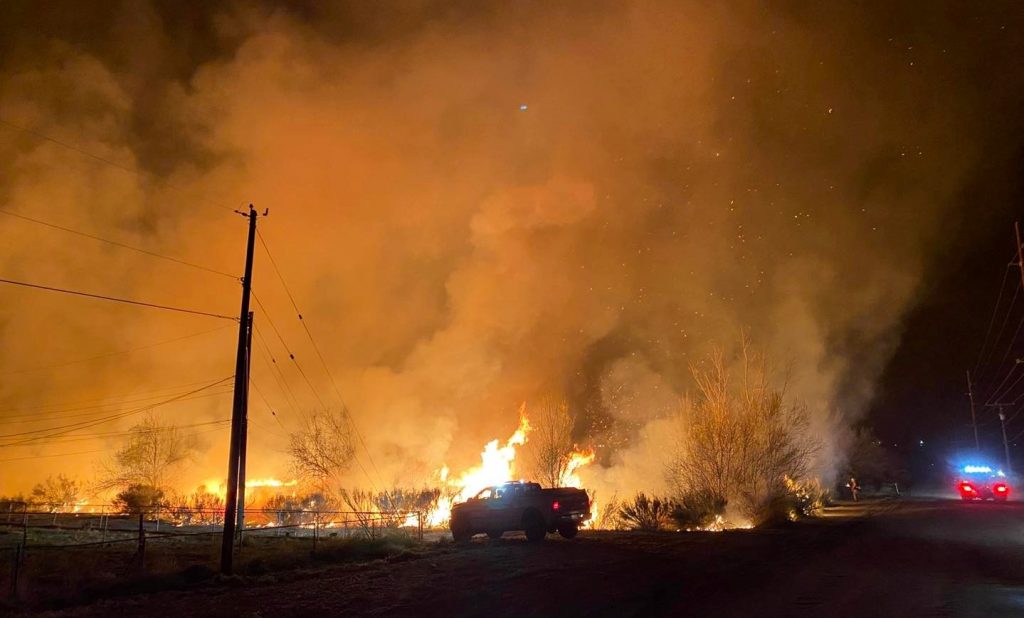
[{"x": 485, "y": 494}]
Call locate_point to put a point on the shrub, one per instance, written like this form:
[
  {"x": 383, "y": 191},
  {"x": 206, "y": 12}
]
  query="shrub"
[
  {"x": 698, "y": 509},
  {"x": 647, "y": 514},
  {"x": 139, "y": 499}
]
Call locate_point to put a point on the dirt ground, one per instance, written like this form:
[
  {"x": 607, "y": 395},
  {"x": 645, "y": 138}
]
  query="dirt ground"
[{"x": 898, "y": 558}]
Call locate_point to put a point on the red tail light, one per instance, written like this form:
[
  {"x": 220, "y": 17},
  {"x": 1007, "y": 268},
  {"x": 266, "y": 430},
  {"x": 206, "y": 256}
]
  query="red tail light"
[
  {"x": 555, "y": 506},
  {"x": 967, "y": 488},
  {"x": 1001, "y": 488}
]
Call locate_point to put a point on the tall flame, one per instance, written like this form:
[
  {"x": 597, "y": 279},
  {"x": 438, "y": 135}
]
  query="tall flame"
[{"x": 497, "y": 466}]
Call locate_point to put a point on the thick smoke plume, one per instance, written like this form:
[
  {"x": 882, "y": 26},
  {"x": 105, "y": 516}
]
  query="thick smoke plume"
[{"x": 473, "y": 206}]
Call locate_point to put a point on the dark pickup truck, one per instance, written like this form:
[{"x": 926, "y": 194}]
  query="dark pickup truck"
[{"x": 521, "y": 506}]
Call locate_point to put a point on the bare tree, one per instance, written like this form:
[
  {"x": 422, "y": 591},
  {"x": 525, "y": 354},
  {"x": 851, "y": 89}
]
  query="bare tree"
[
  {"x": 59, "y": 494},
  {"x": 551, "y": 441},
  {"x": 742, "y": 440},
  {"x": 323, "y": 449},
  {"x": 152, "y": 454}
]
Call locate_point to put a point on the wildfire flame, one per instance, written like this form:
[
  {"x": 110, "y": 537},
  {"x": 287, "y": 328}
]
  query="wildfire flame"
[
  {"x": 218, "y": 486},
  {"x": 497, "y": 466}
]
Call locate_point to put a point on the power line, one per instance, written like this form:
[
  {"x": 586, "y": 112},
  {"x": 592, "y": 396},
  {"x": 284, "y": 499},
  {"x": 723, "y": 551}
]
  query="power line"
[
  {"x": 996, "y": 395},
  {"x": 289, "y": 352},
  {"x": 992, "y": 320},
  {"x": 109, "y": 354},
  {"x": 117, "y": 300},
  {"x": 1002, "y": 328},
  {"x": 94, "y": 156},
  {"x": 53, "y": 455},
  {"x": 107, "y": 401},
  {"x": 105, "y": 409},
  {"x": 89, "y": 423},
  {"x": 65, "y": 429},
  {"x": 270, "y": 408},
  {"x": 991, "y": 393},
  {"x": 120, "y": 244},
  {"x": 110, "y": 434},
  {"x": 31, "y": 457},
  {"x": 278, "y": 375},
  {"x": 320, "y": 355}
]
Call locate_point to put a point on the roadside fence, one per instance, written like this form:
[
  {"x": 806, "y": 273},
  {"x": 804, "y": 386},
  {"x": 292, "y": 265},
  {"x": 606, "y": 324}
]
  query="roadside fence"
[{"x": 102, "y": 538}]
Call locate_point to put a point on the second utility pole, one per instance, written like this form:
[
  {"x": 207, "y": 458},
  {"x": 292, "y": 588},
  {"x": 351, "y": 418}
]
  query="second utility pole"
[{"x": 238, "y": 410}]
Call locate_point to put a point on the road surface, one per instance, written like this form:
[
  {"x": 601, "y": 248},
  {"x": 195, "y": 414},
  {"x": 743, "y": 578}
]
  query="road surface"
[{"x": 899, "y": 558}]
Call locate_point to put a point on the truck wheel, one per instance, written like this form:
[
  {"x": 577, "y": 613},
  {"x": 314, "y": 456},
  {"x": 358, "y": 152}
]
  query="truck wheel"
[
  {"x": 460, "y": 531},
  {"x": 568, "y": 531},
  {"x": 535, "y": 528},
  {"x": 495, "y": 534}
]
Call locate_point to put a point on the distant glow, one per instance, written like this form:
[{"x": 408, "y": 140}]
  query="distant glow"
[
  {"x": 523, "y": 107},
  {"x": 977, "y": 470}
]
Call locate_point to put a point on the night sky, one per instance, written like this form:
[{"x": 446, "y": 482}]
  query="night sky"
[{"x": 478, "y": 204}]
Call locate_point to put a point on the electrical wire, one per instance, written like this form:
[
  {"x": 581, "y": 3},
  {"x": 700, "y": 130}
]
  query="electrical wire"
[
  {"x": 88, "y": 423},
  {"x": 992, "y": 320},
  {"x": 320, "y": 355},
  {"x": 86, "y": 153},
  {"x": 309, "y": 383},
  {"x": 275, "y": 371},
  {"x": 119, "y": 244},
  {"x": 109, "y": 354},
  {"x": 66, "y": 429},
  {"x": 115, "y": 299},
  {"x": 999, "y": 336},
  {"x": 270, "y": 408},
  {"x": 32, "y": 457},
  {"x": 106, "y": 401},
  {"x": 104, "y": 410},
  {"x": 127, "y": 432}
]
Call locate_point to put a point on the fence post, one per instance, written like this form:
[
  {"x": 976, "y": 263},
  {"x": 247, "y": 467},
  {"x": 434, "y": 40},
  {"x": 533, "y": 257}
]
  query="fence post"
[
  {"x": 103, "y": 524},
  {"x": 15, "y": 571},
  {"x": 419, "y": 520},
  {"x": 24, "y": 525},
  {"x": 142, "y": 542},
  {"x": 316, "y": 528}
]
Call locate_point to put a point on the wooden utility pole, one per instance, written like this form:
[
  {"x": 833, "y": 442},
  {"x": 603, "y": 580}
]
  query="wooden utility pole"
[
  {"x": 974, "y": 420},
  {"x": 244, "y": 436},
  {"x": 1002, "y": 424},
  {"x": 238, "y": 410}
]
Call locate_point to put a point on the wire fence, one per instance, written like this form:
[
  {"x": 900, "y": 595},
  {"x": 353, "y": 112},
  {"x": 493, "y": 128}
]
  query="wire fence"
[{"x": 41, "y": 546}]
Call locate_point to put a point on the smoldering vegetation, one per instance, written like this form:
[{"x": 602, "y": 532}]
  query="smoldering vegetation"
[{"x": 477, "y": 205}]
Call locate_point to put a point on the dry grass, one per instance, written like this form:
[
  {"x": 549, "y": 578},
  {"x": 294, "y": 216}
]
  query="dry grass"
[{"x": 53, "y": 578}]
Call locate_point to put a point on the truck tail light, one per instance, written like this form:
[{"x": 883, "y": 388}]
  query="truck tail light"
[
  {"x": 1000, "y": 488},
  {"x": 967, "y": 488},
  {"x": 555, "y": 506}
]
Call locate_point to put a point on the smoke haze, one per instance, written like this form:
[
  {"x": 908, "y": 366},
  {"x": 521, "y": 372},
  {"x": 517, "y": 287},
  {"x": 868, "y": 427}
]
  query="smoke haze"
[{"x": 475, "y": 205}]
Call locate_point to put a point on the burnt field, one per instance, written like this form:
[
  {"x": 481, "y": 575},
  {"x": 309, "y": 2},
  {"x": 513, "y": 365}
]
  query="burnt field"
[{"x": 917, "y": 558}]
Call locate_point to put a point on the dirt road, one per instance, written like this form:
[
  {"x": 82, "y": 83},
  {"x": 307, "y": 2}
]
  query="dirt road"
[{"x": 912, "y": 558}]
